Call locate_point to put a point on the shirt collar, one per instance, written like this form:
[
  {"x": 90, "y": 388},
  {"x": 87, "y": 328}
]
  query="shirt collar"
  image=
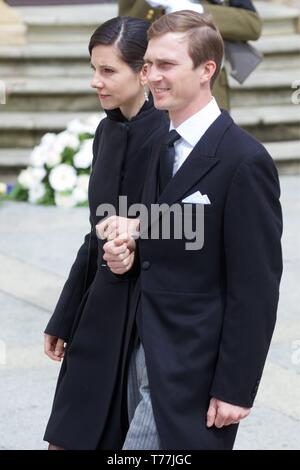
[{"x": 195, "y": 127}]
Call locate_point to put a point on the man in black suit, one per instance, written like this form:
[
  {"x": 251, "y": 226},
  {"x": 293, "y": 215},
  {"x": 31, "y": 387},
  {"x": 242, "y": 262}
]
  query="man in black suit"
[
  {"x": 237, "y": 21},
  {"x": 206, "y": 316}
]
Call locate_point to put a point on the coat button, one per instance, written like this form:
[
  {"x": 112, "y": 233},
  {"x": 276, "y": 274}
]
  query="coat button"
[{"x": 146, "y": 265}]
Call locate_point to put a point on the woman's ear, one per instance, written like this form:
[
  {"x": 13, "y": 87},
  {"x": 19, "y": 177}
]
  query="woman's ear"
[{"x": 143, "y": 75}]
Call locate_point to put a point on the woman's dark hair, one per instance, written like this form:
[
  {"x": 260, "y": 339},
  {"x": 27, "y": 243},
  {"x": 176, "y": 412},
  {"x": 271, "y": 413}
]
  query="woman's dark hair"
[{"x": 128, "y": 34}]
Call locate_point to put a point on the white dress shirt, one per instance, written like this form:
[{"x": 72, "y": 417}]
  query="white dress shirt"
[{"x": 192, "y": 130}]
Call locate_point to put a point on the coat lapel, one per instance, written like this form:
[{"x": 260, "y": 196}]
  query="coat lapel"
[
  {"x": 150, "y": 192},
  {"x": 105, "y": 187}
]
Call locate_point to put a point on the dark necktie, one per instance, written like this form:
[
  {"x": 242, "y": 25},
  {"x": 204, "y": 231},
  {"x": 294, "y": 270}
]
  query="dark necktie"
[{"x": 166, "y": 162}]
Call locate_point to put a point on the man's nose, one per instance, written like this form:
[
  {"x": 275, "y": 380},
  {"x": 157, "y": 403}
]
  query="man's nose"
[{"x": 153, "y": 75}]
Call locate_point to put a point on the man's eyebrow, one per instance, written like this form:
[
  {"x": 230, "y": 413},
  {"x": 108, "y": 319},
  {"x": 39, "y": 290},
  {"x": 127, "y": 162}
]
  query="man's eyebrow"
[{"x": 162, "y": 60}]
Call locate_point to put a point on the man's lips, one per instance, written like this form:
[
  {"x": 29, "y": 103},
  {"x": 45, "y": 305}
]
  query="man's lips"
[
  {"x": 160, "y": 90},
  {"x": 103, "y": 96}
]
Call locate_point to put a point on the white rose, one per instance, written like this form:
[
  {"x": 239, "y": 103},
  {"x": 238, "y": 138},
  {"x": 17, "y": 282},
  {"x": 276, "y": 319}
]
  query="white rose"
[
  {"x": 53, "y": 158},
  {"x": 65, "y": 200},
  {"x": 48, "y": 140},
  {"x": 26, "y": 178},
  {"x": 30, "y": 177},
  {"x": 80, "y": 192},
  {"x": 66, "y": 139},
  {"x": 93, "y": 121},
  {"x": 83, "y": 158},
  {"x": 63, "y": 177},
  {"x": 76, "y": 127},
  {"x": 38, "y": 174},
  {"x": 88, "y": 126},
  {"x": 80, "y": 195},
  {"x": 83, "y": 182},
  {"x": 38, "y": 156},
  {"x": 36, "y": 193}
]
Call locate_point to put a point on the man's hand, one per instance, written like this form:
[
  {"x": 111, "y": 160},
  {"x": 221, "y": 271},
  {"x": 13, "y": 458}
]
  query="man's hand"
[
  {"x": 54, "y": 347},
  {"x": 116, "y": 226},
  {"x": 223, "y": 414},
  {"x": 119, "y": 254}
]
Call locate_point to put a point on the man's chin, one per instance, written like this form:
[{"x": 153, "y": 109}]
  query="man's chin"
[{"x": 160, "y": 103}]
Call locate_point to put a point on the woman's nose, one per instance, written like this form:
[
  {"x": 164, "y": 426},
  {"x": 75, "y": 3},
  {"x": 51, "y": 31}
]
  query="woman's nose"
[{"x": 96, "y": 82}]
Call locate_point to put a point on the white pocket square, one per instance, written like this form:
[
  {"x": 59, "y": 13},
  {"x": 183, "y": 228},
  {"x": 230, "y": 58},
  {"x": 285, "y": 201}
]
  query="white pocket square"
[{"x": 197, "y": 198}]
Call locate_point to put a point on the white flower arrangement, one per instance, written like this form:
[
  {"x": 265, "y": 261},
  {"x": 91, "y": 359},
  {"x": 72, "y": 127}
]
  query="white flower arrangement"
[{"x": 59, "y": 167}]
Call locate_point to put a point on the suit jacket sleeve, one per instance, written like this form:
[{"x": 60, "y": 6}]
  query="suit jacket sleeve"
[
  {"x": 253, "y": 259},
  {"x": 80, "y": 276}
]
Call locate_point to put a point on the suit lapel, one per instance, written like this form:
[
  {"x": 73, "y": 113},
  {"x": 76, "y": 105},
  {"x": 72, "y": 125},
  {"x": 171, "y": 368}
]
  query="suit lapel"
[
  {"x": 201, "y": 160},
  {"x": 192, "y": 170}
]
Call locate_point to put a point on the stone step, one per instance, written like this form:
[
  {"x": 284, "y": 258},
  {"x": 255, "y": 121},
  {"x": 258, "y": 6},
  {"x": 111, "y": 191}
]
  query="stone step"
[
  {"x": 57, "y": 85},
  {"x": 14, "y": 158},
  {"x": 31, "y": 94},
  {"x": 45, "y": 60},
  {"x": 270, "y": 123},
  {"x": 267, "y": 115},
  {"x": 278, "y": 19},
  {"x": 44, "y": 51},
  {"x": 284, "y": 151},
  {"x": 73, "y": 59},
  {"x": 288, "y": 43},
  {"x": 267, "y": 123},
  {"x": 63, "y": 23},
  {"x": 280, "y": 52},
  {"x": 266, "y": 44},
  {"x": 259, "y": 79},
  {"x": 71, "y": 93},
  {"x": 265, "y": 87},
  {"x": 285, "y": 154},
  {"x": 262, "y": 79},
  {"x": 24, "y": 130},
  {"x": 75, "y": 23}
]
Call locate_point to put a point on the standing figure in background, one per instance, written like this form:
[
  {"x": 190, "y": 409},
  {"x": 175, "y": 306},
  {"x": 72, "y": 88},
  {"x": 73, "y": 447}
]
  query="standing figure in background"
[{"x": 237, "y": 20}]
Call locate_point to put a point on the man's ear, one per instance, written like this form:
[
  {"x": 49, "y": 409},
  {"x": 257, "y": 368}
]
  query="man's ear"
[
  {"x": 143, "y": 75},
  {"x": 207, "y": 71}
]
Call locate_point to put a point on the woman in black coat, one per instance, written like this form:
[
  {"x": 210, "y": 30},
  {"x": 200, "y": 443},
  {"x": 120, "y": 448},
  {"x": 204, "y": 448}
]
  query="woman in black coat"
[{"x": 92, "y": 315}]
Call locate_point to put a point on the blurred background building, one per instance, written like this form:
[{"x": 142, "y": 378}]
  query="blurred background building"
[{"x": 44, "y": 67}]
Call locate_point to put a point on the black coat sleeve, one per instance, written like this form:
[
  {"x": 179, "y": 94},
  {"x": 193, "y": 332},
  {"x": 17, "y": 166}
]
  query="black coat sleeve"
[
  {"x": 253, "y": 258},
  {"x": 81, "y": 274},
  {"x": 61, "y": 322}
]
